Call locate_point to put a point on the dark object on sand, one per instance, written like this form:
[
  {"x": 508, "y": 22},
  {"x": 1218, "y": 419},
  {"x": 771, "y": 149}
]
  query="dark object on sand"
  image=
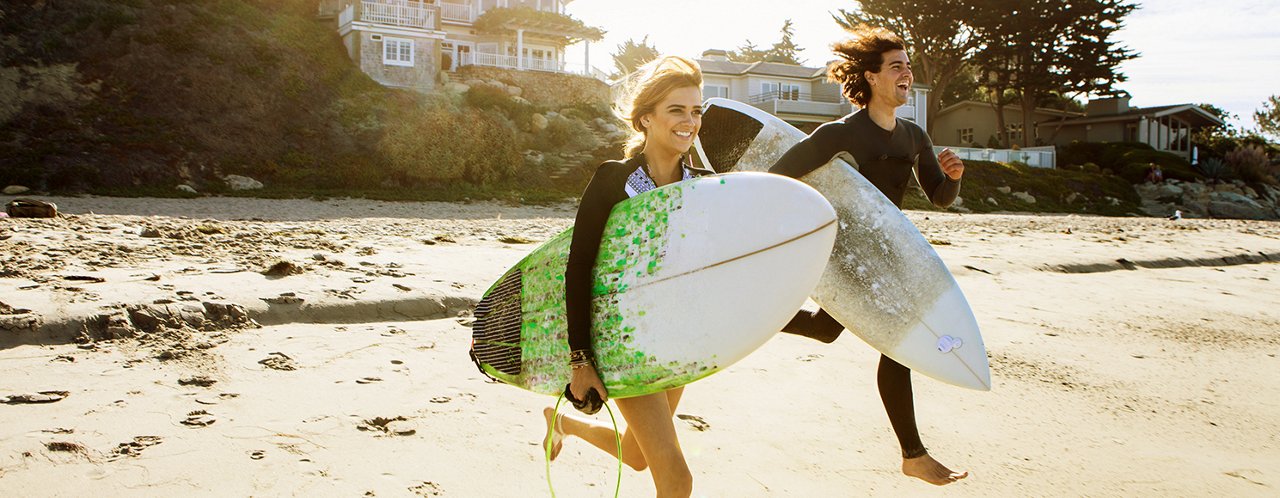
[
  {"x": 36, "y": 398},
  {"x": 31, "y": 208}
]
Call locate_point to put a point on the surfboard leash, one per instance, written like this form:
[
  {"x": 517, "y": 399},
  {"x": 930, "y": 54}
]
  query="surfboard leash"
[{"x": 617, "y": 437}]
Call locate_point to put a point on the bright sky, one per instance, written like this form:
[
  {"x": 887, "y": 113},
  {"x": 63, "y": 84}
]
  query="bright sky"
[{"x": 1222, "y": 52}]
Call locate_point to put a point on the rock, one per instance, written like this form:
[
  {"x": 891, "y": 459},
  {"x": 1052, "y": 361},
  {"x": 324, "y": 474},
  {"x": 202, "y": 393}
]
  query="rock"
[
  {"x": 16, "y": 190},
  {"x": 1025, "y": 197},
  {"x": 1223, "y": 209},
  {"x": 457, "y": 88},
  {"x": 186, "y": 188},
  {"x": 514, "y": 91},
  {"x": 959, "y": 202},
  {"x": 1004, "y": 190},
  {"x": 496, "y": 84},
  {"x": 1234, "y": 198},
  {"x": 1249, "y": 192},
  {"x": 1112, "y": 201},
  {"x": 237, "y": 182},
  {"x": 521, "y": 100},
  {"x": 1071, "y": 199},
  {"x": 992, "y": 202},
  {"x": 1228, "y": 187},
  {"x": 539, "y": 122}
]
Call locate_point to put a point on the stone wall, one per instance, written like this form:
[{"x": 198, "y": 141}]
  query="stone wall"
[
  {"x": 542, "y": 88},
  {"x": 367, "y": 52},
  {"x": 1233, "y": 199}
]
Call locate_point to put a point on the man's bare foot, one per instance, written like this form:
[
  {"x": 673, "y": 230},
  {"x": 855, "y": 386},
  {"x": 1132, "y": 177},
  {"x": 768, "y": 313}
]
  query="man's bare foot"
[
  {"x": 931, "y": 471},
  {"x": 555, "y": 436}
]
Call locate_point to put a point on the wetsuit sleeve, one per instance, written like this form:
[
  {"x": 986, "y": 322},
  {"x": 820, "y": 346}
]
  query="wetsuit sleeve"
[
  {"x": 588, "y": 228},
  {"x": 940, "y": 188},
  {"x": 809, "y": 154}
]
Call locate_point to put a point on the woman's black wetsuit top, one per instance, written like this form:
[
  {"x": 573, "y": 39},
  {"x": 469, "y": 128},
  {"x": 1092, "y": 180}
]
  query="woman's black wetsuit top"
[
  {"x": 887, "y": 159},
  {"x": 613, "y": 182}
]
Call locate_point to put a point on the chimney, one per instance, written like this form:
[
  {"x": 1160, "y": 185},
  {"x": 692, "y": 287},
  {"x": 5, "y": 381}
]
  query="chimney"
[
  {"x": 1109, "y": 106},
  {"x": 715, "y": 54}
]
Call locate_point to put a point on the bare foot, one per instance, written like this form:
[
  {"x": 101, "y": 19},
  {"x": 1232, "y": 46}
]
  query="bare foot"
[
  {"x": 931, "y": 471},
  {"x": 555, "y": 437}
]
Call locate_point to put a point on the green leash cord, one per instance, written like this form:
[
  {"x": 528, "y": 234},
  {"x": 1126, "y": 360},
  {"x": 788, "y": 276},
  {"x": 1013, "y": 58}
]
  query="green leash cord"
[{"x": 551, "y": 429}]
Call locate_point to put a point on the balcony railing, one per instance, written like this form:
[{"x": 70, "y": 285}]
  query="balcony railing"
[
  {"x": 530, "y": 64},
  {"x": 410, "y": 14},
  {"x": 457, "y": 12},
  {"x": 795, "y": 102}
]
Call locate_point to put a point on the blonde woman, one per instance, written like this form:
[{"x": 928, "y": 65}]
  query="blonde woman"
[{"x": 664, "y": 108}]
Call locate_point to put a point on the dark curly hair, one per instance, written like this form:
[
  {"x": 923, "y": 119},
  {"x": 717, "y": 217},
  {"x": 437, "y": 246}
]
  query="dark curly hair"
[{"x": 863, "y": 51}]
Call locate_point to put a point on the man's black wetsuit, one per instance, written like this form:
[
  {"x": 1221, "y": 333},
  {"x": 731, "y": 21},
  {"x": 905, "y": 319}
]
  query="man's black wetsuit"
[
  {"x": 613, "y": 182},
  {"x": 887, "y": 159}
]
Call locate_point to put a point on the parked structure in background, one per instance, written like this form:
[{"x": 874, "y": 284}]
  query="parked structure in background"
[
  {"x": 406, "y": 43},
  {"x": 1165, "y": 128},
  {"x": 974, "y": 124},
  {"x": 800, "y": 95}
]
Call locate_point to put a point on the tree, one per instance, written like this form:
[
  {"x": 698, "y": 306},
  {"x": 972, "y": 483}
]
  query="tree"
[
  {"x": 631, "y": 55},
  {"x": 1268, "y": 118},
  {"x": 939, "y": 35},
  {"x": 785, "y": 51},
  {"x": 1040, "y": 48}
]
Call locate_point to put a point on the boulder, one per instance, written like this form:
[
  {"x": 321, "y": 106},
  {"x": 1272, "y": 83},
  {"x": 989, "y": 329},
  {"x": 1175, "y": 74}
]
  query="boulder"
[
  {"x": 1233, "y": 198},
  {"x": 1025, "y": 197},
  {"x": 539, "y": 122},
  {"x": 186, "y": 188},
  {"x": 992, "y": 201},
  {"x": 514, "y": 91},
  {"x": 1004, "y": 190},
  {"x": 1071, "y": 199},
  {"x": 1223, "y": 209},
  {"x": 16, "y": 190},
  {"x": 456, "y": 88},
  {"x": 237, "y": 182}
]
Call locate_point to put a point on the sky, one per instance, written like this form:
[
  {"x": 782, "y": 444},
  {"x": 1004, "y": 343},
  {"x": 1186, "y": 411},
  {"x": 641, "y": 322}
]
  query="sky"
[{"x": 1221, "y": 52}]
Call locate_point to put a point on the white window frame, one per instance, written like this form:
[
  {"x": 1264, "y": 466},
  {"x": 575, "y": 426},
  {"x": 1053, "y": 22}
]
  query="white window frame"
[
  {"x": 397, "y": 58},
  {"x": 721, "y": 91},
  {"x": 1014, "y": 130},
  {"x": 965, "y": 136}
]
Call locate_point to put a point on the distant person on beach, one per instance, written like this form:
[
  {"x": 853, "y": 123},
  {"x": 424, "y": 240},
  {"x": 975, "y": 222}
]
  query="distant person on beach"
[
  {"x": 875, "y": 74},
  {"x": 1155, "y": 174},
  {"x": 664, "y": 108}
]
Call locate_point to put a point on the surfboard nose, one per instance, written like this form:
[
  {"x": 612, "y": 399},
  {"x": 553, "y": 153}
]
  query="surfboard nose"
[{"x": 949, "y": 329}]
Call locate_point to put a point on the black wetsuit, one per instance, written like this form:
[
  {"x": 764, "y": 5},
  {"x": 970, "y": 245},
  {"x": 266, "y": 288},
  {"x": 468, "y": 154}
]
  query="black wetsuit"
[
  {"x": 888, "y": 160},
  {"x": 613, "y": 182}
]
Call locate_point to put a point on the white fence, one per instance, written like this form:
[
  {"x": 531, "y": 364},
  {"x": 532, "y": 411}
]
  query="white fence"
[
  {"x": 408, "y": 14},
  {"x": 529, "y": 63},
  {"x": 1036, "y": 157}
]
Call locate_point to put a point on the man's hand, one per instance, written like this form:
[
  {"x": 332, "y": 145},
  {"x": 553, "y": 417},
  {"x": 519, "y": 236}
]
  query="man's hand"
[{"x": 951, "y": 164}]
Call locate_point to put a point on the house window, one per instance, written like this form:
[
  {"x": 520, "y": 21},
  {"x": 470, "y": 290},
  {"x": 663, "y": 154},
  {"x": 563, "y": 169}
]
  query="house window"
[
  {"x": 964, "y": 136},
  {"x": 709, "y": 91},
  {"x": 1015, "y": 131},
  {"x": 790, "y": 91},
  {"x": 397, "y": 52}
]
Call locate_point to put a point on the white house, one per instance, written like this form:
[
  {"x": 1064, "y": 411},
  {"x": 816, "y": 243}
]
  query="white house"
[{"x": 404, "y": 43}]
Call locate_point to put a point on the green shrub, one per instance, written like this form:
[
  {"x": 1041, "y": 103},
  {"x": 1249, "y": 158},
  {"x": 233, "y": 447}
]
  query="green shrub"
[
  {"x": 491, "y": 97},
  {"x": 565, "y": 135},
  {"x": 435, "y": 144},
  {"x": 1214, "y": 168}
]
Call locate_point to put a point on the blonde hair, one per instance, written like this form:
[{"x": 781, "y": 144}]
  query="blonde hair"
[{"x": 645, "y": 89}]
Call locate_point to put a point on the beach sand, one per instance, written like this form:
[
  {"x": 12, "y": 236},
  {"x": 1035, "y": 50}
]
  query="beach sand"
[{"x": 144, "y": 352}]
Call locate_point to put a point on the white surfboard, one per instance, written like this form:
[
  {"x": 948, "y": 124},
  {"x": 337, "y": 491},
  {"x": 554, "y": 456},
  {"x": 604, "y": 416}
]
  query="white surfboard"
[
  {"x": 884, "y": 282},
  {"x": 685, "y": 285}
]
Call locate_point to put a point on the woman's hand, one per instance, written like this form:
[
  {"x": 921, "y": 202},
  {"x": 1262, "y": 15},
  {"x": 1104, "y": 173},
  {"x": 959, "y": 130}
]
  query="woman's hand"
[{"x": 585, "y": 378}]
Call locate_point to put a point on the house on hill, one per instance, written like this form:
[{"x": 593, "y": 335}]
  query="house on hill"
[
  {"x": 1165, "y": 128},
  {"x": 973, "y": 124},
  {"x": 406, "y": 43},
  {"x": 799, "y": 95}
]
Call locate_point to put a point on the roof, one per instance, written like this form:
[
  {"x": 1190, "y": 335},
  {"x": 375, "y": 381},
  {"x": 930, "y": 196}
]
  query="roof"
[
  {"x": 1193, "y": 113},
  {"x": 759, "y": 68},
  {"x": 1012, "y": 107}
]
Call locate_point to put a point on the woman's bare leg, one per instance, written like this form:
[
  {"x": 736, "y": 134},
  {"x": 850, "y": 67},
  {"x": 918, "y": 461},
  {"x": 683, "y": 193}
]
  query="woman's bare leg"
[
  {"x": 649, "y": 422},
  {"x": 602, "y": 436}
]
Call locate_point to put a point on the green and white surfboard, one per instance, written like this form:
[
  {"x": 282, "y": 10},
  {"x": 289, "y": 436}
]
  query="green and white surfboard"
[{"x": 691, "y": 278}]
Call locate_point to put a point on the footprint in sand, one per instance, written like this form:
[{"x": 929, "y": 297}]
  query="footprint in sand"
[
  {"x": 694, "y": 421},
  {"x": 199, "y": 418},
  {"x": 279, "y": 361},
  {"x": 368, "y": 380},
  {"x": 810, "y": 357},
  {"x": 427, "y": 488},
  {"x": 135, "y": 447},
  {"x": 257, "y": 454},
  {"x": 398, "y": 426}
]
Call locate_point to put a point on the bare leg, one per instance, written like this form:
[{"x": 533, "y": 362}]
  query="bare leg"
[
  {"x": 894, "y": 381},
  {"x": 602, "y": 436},
  {"x": 649, "y": 421}
]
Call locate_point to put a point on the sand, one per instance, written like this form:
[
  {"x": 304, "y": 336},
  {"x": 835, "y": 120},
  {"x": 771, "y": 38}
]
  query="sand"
[{"x": 144, "y": 352}]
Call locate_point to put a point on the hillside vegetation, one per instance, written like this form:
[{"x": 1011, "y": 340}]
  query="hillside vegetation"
[{"x": 136, "y": 96}]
